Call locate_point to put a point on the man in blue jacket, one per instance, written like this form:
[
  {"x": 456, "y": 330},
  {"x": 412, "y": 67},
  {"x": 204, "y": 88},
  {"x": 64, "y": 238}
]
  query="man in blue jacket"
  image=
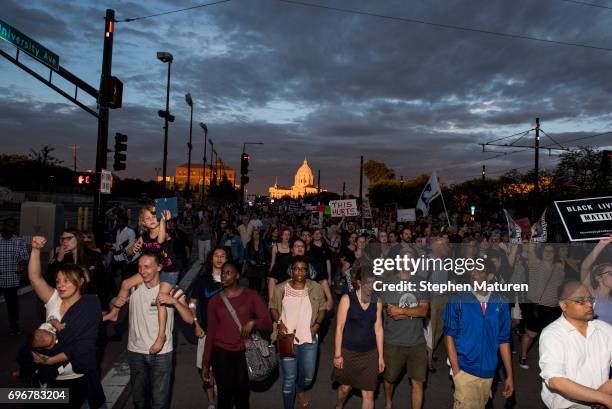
[{"x": 476, "y": 326}]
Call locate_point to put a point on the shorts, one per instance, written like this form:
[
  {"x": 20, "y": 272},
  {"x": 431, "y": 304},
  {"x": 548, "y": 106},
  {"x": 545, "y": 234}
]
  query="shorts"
[
  {"x": 537, "y": 317},
  {"x": 413, "y": 358},
  {"x": 169, "y": 277}
]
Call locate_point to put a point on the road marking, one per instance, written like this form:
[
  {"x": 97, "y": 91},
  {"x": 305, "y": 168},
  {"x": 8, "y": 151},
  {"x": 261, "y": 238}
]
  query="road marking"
[{"x": 118, "y": 376}]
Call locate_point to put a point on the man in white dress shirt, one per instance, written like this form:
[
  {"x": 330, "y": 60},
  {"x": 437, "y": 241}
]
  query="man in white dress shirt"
[{"x": 576, "y": 354}]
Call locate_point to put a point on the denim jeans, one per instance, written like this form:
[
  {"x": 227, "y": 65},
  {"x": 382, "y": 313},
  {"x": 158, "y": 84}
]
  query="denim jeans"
[
  {"x": 300, "y": 370},
  {"x": 150, "y": 377}
]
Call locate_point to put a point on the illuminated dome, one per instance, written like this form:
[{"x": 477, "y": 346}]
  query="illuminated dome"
[{"x": 304, "y": 177}]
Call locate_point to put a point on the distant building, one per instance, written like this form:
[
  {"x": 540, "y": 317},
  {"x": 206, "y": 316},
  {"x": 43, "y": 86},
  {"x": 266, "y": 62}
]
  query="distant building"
[
  {"x": 196, "y": 174},
  {"x": 303, "y": 184}
]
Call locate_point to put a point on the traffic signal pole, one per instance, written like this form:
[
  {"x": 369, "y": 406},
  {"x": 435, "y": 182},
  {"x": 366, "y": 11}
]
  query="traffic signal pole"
[
  {"x": 103, "y": 117},
  {"x": 244, "y": 168}
]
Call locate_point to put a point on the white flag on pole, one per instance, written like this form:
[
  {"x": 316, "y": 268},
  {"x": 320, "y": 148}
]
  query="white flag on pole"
[{"x": 430, "y": 192}]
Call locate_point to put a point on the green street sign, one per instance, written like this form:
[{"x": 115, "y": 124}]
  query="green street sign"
[{"x": 29, "y": 46}]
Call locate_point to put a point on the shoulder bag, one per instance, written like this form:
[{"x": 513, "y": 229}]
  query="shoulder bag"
[{"x": 260, "y": 355}]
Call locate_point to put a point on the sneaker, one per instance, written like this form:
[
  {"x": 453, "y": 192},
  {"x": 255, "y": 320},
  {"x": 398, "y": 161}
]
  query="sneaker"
[{"x": 523, "y": 363}]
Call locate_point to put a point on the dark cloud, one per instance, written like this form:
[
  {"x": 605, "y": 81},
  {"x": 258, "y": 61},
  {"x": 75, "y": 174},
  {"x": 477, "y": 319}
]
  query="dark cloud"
[{"x": 327, "y": 85}]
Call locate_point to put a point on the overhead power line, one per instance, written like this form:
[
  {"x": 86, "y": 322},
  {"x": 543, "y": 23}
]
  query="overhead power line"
[
  {"x": 128, "y": 20},
  {"x": 584, "y": 3},
  {"x": 510, "y": 136},
  {"x": 449, "y": 26}
]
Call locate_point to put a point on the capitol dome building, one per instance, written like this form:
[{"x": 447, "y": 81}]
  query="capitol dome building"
[{"x": 303, "y": 184}]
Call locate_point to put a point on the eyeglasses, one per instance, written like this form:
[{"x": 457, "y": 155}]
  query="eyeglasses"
[
  {"x": 581, "y": 300},
  {"x": 66, "y": 238},
  {"x": 605, "y": 273}
]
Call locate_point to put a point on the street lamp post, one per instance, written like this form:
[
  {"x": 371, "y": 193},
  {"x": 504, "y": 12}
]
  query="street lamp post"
[
  {"x": 212, "y": 151},
  {"x": 189, "y": 102},
  {"x": 205, "y": 129},
  {"x": 166, "y": 57},
  {"x": 216, "y": 167}
]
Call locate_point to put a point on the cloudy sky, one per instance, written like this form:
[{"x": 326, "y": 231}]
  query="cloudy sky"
[{"x": 320, "y": 83}]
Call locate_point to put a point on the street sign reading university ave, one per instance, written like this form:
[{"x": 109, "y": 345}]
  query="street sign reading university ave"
[{"x": 29, "y": 46}]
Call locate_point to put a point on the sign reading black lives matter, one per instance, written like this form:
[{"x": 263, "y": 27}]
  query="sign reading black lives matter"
[{"x": 586, "y": 219}]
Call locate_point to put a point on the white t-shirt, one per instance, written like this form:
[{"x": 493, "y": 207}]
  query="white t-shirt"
[
  {"x": 565, "y": 353},
  {"x": 144, "y": 324},
  {"x": 52, "y": 309}
]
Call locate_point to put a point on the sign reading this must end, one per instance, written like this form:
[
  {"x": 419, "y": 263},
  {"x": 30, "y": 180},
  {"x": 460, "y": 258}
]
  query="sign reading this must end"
[
  {"x": 26, "y": 44},
  {"x": 343, "y": 208},
  {"x": 586, "y": 219}
]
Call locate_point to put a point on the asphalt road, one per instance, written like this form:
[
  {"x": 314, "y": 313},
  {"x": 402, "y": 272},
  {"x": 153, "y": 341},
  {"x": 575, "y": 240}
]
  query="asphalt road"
[{"x": 188, "y": 393}]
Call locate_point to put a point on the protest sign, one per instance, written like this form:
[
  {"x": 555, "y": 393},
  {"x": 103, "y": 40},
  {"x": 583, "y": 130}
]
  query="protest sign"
[
  {"x": 406, "y": 215},
  {"x": 166, "y": 203},
  {"x": 343, "y": 208},
  {"x": 586, "y": 219},
  {"x": 106, "y": 181}
]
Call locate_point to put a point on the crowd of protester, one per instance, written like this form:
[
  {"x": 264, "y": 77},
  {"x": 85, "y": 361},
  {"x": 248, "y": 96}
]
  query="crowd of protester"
[{"x": 283, "y": 276}]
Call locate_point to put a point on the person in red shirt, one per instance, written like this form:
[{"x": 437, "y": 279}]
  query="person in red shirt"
[{"x": 225, "y": 348}]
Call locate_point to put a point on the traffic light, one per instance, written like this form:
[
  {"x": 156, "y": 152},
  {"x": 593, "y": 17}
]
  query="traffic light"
[
  {"x": 113, "y": 92},
  {"x": 120, "y": 149},
  {"x": 244, "y": 164},
  {"x": 83, "y": 179},
  {"x": 244, "y": 180},
  {"x": 606, "y": 157}
]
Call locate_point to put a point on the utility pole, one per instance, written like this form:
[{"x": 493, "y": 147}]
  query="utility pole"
[
  {"x": 319, "y": 186},
  {"x": 102, "y": 142},
  {"x": 536, "y": 182},
  {"x": 205, "y": 129},
  {"x": 74, "y": 148},
  {"x": 343, "y": 190},
  {"x": 483, "y": 200},
  {"x": 360, "y": 190},
  {"x": 166, "y": 118},
  {"x": 536, "y": 147},
  {"x": 360, "y": 183},
  {"x": 189, "y": 101}
]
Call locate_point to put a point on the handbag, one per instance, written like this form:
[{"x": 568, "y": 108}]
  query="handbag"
[
  {"x": 285, "y": 345},
  {"x": 260, "y": 355},
  {"x": 286, "y": 342}
]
